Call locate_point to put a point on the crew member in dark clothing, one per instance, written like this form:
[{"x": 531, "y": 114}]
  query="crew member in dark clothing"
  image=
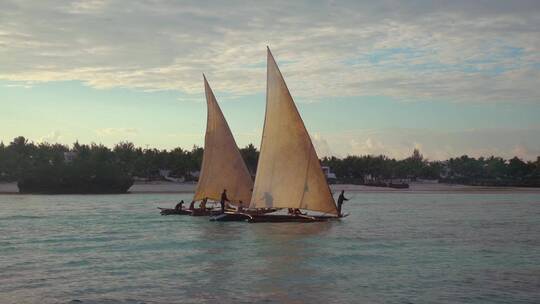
[
  {"x": 178, "y": 206},
  {"x": 192, "y": 205},
  {"x": 340, "y": 200},
  {"x": 223, "y": 200},
  {"x": 203, "y": 204}
]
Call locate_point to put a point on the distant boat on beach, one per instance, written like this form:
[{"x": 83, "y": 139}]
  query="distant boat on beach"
[
  {"x": 73, "y": 185},
  {"x": 399, "y": 185}
]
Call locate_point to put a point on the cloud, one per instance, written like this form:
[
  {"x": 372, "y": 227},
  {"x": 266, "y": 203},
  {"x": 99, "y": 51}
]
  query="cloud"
[
  {"x": 435, "y": 144},
  {"x": 524, "y": 152},
  {"x": 18, "y": 85},
  {"x": 461, "y": 51},
  {"x": 52, "y": 137},
  {"x": 369, "y": 146},
  {"x": 117, "y": 131},
  {"x": 321, "y": 145},
  {"x": 86, "y": 6}
]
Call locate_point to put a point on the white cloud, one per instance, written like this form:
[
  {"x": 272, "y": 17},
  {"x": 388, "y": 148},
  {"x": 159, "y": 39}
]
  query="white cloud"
[
  {"x": 369, "y": 146},
  {"x": 86, "y": 6},
  {"x": 117, "y": 131},
  {"x": 524, "y": 152},
  {"x": 399, "y": 143},
  {"x": 18, "y": 85},
  {"x": 464, "y": 51},
  {"x": 321, "y": 145},
  {"x": 52, "y": 137}
]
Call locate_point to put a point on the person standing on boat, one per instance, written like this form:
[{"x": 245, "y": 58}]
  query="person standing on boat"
[
  {"x": 223, "y": 200},
  {"x": 340, "y": 201},
  {"x": 192, "y": 205},
  {"x": 178, "y": 206}
]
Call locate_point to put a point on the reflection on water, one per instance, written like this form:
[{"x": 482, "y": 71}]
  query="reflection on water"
[
  {"x": 285, "y": 249},
  {"x": 216, "y": 258},
  {"x": 394, "y": 248},
  {"x": 254, "y": 261}
]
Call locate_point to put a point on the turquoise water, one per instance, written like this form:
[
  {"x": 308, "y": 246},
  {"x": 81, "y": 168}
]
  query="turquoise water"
[{"x": 393, "y": 248}]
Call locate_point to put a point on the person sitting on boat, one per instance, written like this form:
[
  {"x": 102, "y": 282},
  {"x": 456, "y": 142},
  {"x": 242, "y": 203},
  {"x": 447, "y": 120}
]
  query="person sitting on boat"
[
  {"x": 223, "y": 200},
  {"x": 178, "y": 206},
  {"x": 297, "y": 211},
  {"x": 203, "y": 204},
  {"x": 192, "y": 205},
  {"x": 240, "y": 206},
  {"x": 340, "y": 201}
]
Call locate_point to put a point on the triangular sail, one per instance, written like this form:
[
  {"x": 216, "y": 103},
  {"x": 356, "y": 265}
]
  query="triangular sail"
[
  {"x": 222, "y": 166},
  {"x": 289, "y": 174}
]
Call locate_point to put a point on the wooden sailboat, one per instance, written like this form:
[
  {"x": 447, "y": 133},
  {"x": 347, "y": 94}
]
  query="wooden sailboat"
[
  {"x": 222, "y": 165},
  {"x": 289, "y": 174}
]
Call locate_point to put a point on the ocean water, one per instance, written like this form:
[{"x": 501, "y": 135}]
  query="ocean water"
[{"x": 393, "y": 248}]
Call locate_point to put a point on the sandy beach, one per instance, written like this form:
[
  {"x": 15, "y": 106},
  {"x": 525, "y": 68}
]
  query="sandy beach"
[{"x": 169, "y": 187}]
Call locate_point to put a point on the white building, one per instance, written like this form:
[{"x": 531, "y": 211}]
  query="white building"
[
  {"x": 328, "y": 173},
  {"x": 69, "y": 156}
]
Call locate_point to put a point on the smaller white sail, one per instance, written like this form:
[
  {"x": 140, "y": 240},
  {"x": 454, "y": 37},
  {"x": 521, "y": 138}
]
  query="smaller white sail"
[{"x": 222, "y": 166}]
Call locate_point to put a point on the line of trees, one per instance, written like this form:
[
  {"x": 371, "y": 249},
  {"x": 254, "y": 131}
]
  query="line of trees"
[
  {"x": 22, "y": 158},
  {"x": 490, "y": 171}
]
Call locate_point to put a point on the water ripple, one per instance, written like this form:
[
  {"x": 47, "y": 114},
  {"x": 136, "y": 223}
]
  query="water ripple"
[{"x": 425, "y": 248}]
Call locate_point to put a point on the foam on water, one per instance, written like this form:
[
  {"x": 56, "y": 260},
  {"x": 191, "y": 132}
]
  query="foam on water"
[{"x": 393, "y": 248}]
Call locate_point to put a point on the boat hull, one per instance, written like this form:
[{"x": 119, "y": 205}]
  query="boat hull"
[
  {"x": 274, "y": 218},
  {"x": 399, "y": 186},
  {"x": 169, "y": 211},
  {"x": 198, "y": 212},
  {"x": 230, "y": 217}
]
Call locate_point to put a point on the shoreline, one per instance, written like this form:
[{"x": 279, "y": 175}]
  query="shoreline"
[{"x": 171, "y": 188}]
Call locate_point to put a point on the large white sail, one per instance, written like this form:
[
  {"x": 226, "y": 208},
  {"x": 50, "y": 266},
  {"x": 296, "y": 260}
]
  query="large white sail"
[
  {"x": 222, "y": 166},
  {"x": 289, "y": 174}
]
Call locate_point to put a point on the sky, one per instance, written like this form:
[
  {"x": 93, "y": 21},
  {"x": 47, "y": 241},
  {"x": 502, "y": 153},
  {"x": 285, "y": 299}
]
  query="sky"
[{"x": 368, "y": 77}]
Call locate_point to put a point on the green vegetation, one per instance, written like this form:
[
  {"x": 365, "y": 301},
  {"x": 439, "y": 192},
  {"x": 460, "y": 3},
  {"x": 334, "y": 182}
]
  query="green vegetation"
[
  {"x": 491, "y": 171},
  {"x": 56, "y": 168},
  {"x": 47, "y": 168}
]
